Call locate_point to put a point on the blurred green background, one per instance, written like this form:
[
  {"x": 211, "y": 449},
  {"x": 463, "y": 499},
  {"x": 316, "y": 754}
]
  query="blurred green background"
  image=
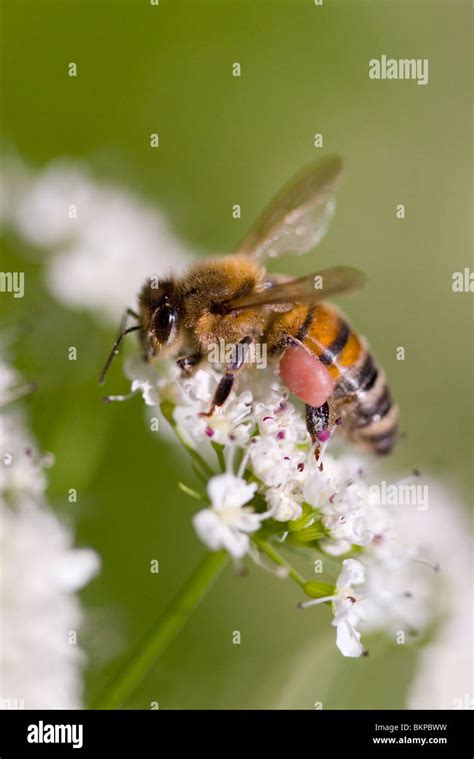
[{"x": 223, "y": 140}]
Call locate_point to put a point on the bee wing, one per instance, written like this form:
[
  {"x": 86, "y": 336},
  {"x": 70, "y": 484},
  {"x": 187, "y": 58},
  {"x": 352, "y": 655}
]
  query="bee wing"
[
  {"x": 310, "y": 289},
  {"x": 298, "y": 217}
]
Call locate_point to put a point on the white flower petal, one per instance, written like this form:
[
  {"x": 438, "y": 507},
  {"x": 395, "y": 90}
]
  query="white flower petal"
[
  {"x": 216, "y": 534},
  {"x": 353, "y": 573},
  {"x": 348, "y": 639},
  {"x": 226, "y": 490}
]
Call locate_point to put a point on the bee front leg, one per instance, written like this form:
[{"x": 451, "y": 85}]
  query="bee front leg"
[{"x": 227, "y": 381}]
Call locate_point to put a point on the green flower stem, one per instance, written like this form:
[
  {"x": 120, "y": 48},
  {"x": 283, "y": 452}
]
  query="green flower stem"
[
  {"x": 219, "y": 449},
  {"x": 167, "y": 411},
  {"x": 273, "y": 554},
  {"x": 190, "y": 491},
  {"x": 162, "y": 634}
]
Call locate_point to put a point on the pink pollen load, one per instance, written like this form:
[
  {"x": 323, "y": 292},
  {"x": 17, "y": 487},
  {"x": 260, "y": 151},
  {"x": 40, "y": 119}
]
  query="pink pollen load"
[{"x": 305, "y": 376}]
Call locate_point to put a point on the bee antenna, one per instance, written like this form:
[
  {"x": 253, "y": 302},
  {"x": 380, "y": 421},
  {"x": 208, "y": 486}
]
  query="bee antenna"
[{"x": 123, "y": 331}]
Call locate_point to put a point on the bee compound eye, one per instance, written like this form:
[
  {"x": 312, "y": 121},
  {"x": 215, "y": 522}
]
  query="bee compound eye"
[{"x": 165, "y": 322}]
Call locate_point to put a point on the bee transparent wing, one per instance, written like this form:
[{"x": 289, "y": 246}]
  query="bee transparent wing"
[
  {"x": 310, "y": 289},
  {"x": 298, "y": 217}
]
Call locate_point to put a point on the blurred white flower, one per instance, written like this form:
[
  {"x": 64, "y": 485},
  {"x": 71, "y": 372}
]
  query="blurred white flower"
[
  {"x": 9, "y": 379},
  {"x": 228, "y": 522},
  {"x": 444, "y": 677},
  {"x": 21, "y": 472},
  {"x": 40, "y": 656},
  {"x": 103, "y": 241}
]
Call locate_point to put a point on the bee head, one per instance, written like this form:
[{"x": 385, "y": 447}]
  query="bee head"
[{"x": 161, "y": 317}]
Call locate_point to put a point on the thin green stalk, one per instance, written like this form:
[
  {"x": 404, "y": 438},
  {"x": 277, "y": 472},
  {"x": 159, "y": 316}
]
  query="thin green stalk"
[
  {"x": 167, "y": 411},
  {"x": 189, "y": 491},
  {"x": 273, "y": 554},
  {"x": 162, "y": 634},
  {"x": 219, "y": 450}
]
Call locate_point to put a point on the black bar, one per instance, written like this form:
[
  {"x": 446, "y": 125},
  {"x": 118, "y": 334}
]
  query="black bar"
[{"x": 304, "y": 733}]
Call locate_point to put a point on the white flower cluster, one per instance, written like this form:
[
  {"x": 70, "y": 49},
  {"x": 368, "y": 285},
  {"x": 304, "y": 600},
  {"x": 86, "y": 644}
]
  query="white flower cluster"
[
  {"x": 270, "y": 485},
  {"x": 40, "y": 661}
]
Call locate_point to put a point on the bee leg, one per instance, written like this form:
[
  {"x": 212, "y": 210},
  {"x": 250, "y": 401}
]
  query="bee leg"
[
  {"x": 123, "y": 331},
  {"x": 229, "y": 377},
  {"x": 222, "y": 392},
  {"x": 320, "y": 423},
  {"x": 188, "y": 363}
]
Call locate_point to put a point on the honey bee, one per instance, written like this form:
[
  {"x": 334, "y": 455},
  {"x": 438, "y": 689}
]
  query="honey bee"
[{"x": 233, "y": 300}]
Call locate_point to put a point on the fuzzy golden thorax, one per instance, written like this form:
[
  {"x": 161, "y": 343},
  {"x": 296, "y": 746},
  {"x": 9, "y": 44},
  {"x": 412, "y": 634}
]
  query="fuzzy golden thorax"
[{"x": 193, "y": 311}]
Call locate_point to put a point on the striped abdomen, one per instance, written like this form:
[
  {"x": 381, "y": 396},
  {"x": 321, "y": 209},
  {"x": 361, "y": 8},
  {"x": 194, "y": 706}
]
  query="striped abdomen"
[{"x": 361, "y": 396}]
